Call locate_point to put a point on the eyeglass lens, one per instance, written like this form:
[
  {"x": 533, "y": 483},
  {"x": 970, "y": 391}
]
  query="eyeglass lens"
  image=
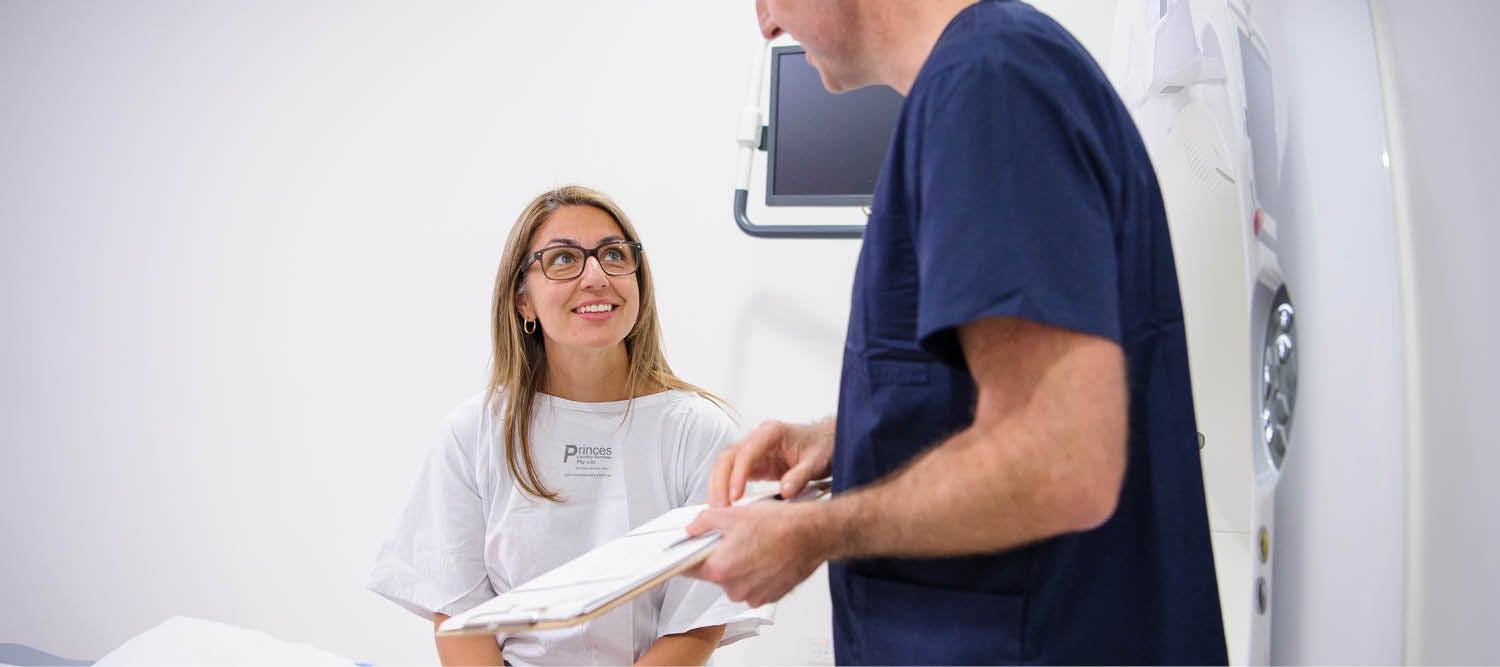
[{"x": 564, "y": 262}]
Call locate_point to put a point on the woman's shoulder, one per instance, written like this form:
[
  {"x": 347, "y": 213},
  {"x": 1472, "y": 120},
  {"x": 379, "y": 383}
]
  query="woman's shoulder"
[
  {"x": 696, "y": 417},
  {"x": 692, "y": 404},
  {"x": 474, "y": 414},
  {"x": 469, "y": 435},
  {"x": 471, "y": 408}
]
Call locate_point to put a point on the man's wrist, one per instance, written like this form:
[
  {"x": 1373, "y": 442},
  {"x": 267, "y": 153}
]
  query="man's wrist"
[{"x": 826, "y": 529}]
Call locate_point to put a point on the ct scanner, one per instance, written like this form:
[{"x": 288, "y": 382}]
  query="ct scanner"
[{"x": 1198, "y": 76}]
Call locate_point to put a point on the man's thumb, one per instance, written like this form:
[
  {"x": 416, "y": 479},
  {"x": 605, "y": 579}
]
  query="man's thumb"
[{"x": 702, "y": 523}]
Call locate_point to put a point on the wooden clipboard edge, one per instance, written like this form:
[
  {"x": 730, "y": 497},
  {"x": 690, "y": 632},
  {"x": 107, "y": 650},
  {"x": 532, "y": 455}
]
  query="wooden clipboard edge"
[
  {"x": 510, "y": 628},
  {"x": 816, "y": 490}
]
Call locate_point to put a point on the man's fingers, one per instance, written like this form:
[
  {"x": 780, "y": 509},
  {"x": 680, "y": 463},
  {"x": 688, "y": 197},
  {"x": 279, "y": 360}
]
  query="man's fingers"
[
  {"x": 757, "y": 456},
  {"x": 743, "y": 459},
  {"x": 706, "y": 520},
  {"x": 796, "y": 479},
  {"x": 745, "y": 455},
  {"x": 726, "y": 481},
  {"x": 718, "y": 478}
]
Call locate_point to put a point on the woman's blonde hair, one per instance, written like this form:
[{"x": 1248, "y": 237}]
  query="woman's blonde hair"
[{"x": 520, "y": 359}]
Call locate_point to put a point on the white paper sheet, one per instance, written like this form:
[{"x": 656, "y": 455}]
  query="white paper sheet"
[{"x": 602, "y": 575}]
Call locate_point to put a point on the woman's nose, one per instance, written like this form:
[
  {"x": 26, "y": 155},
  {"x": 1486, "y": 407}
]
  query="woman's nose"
[{"x": 593, "y": 274}]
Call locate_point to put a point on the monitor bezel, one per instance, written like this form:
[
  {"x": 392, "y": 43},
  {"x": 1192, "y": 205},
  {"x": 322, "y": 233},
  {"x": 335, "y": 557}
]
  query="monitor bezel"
[{"x": 772, "y": 139}]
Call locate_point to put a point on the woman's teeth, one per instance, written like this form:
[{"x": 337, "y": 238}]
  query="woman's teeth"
[{"x": 596, "y": 308}]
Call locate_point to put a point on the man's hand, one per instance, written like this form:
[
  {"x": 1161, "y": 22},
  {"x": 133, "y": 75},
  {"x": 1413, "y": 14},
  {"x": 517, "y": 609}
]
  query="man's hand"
[
  {"x": 767, "y": 549},
  {"x": 792, "y": 453},
  {"x": 1044, "y": 456}
]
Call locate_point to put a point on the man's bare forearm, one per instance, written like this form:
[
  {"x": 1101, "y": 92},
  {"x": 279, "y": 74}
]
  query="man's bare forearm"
[
  {"x": 959, "y": 498},
  {"x": 1044, "y": 456}
]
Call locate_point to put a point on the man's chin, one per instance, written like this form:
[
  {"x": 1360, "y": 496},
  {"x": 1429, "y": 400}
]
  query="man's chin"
[
  {"x": 831, "y": 84},
  {"x": 837, "y": 84},
  {"x": 839, "y": 87}
]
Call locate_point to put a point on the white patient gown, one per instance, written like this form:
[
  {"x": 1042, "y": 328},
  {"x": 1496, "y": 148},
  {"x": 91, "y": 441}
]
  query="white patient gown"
[{"x": 469, "y": 533}]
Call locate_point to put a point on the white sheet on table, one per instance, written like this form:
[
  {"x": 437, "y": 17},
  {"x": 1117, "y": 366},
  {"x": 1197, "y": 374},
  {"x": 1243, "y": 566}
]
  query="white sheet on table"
[{"x": 193, "y": 641}]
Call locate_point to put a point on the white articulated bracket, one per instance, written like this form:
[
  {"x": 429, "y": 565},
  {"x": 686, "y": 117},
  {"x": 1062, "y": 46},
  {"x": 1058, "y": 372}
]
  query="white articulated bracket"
[{"x": 750, "y": 137}]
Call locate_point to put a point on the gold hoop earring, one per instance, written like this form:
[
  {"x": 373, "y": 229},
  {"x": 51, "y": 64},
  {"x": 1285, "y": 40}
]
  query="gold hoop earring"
[{"x": 529, "y": 326}]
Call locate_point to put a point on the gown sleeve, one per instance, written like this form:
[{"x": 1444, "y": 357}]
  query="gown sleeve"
[
  {"x": 433, "y": 561},
  {"x": 691, "y": 603}
]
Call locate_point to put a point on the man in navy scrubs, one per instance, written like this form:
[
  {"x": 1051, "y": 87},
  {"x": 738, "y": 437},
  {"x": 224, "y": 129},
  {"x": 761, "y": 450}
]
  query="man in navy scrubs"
[{"x": 1014, "y": 454}]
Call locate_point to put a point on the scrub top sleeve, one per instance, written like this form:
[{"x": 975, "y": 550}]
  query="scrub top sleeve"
[
  {"x": 1013, "y": 219},
  {"x": 433, "y": 561}
]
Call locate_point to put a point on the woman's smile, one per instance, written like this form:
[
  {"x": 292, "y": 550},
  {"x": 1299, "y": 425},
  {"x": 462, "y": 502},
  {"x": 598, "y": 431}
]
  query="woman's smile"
[{"x": 596, "y": 310}]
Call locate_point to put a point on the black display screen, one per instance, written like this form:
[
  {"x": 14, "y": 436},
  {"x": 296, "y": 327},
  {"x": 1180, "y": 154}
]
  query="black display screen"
[{"x": 825, "y": 149}]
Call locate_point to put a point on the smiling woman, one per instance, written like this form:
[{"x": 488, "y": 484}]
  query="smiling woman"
[
  {"x": 587, "y": 300},
  {"x": 596, "y": 435}
]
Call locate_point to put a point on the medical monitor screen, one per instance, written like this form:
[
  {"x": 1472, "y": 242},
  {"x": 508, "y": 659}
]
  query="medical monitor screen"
[{"x": 825, "y": 149}]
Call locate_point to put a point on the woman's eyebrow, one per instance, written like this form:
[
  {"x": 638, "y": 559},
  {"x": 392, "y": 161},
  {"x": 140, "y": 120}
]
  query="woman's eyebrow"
[{"x": 563, "y": 240}]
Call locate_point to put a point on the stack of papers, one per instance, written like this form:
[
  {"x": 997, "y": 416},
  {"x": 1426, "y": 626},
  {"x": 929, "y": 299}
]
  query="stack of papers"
[{"x": 600, "y": 580}]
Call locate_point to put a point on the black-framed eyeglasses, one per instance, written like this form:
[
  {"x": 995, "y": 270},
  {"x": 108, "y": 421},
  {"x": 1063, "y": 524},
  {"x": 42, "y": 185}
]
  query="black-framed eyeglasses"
[{"x": 565, "y": 262}]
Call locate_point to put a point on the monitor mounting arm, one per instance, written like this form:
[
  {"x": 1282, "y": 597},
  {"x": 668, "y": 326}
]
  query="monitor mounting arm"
[{"x": 751, "y": 138}]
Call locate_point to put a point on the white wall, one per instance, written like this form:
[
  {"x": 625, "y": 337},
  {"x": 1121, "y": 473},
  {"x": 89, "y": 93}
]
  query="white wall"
[
  {"x": 1440, "y": 54},
  {"x": 245, "y": 265}
]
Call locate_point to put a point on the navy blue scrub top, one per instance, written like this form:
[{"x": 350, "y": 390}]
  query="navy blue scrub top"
[{"x": 1017, "y": 185}]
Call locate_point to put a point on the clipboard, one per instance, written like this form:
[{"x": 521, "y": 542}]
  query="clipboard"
[{"x": 606, "y": 577}]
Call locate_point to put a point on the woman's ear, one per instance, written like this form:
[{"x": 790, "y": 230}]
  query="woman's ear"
[{"x": 523, "y": 306}]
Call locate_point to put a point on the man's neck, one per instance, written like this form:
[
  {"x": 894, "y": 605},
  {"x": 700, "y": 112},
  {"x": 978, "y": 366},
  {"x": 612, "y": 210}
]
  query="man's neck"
[{"x": 906, "y": 32}]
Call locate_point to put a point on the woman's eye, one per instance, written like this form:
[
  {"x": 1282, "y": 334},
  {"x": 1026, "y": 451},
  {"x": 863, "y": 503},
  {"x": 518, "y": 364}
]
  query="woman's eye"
[
  {"x": 614, "y": 255},
  {"x": 562, "y": 258}
]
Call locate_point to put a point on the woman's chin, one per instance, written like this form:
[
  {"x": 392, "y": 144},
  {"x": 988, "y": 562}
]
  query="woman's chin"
[{"x": 593, "y": 341}]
